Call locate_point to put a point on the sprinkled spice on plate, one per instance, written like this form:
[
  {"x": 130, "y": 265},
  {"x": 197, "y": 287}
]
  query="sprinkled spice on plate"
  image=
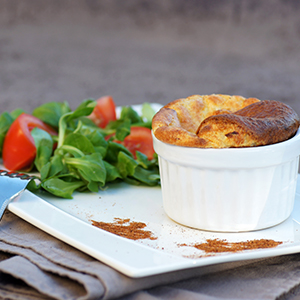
[
  {"x": 126, "y": 228},
  {"x": 218, "y": 246}
]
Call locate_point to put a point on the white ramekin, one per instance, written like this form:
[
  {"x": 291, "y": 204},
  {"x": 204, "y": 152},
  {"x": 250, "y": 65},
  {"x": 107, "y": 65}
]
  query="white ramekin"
[{"x": 229, "y": 190}]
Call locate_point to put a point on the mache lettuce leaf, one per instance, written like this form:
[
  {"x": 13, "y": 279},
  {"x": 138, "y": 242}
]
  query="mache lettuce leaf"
[{"x": 84, "y": 158}]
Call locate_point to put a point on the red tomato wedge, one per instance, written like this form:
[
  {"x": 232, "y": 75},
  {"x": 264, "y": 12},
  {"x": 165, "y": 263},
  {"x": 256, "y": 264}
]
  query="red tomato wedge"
[
  {"x": 140, "y": 139},
  {"x": 19, "y": 150},
  {"x": 104, "y": 111}
]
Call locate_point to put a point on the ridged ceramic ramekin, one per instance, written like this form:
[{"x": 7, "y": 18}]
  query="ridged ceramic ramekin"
[{"x": 229, "y": 190}]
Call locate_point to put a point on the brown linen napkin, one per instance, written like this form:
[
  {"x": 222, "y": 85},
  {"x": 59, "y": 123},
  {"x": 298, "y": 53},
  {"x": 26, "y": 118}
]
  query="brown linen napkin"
[
  {"x": 35, "y": 265},
  {"x": 275, "y": 278}
]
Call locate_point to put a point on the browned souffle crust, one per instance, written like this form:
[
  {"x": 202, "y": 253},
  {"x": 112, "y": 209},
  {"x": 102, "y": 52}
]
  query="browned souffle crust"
[{"x": 223, "y": 121}]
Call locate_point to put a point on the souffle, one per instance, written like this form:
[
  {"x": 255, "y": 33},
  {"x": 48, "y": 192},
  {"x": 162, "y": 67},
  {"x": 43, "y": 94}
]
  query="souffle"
[{"x": 223, "y": 121}]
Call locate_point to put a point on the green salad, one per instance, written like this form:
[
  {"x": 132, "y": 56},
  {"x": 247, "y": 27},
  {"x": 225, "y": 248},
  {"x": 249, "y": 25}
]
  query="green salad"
[{"x": 71, "y": 152}]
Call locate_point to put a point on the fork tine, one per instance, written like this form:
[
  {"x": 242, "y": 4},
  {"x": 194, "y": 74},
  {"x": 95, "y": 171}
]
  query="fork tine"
[
  {"x": 16, "y": 175},
  {"x": 11, "y": 185}
]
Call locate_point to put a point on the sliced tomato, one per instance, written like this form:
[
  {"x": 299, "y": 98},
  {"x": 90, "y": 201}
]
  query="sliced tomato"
[
  {"x": 19, "y": 150},
  {"x": 140, "y": 139},
  {"x": 104, "y": 111}
]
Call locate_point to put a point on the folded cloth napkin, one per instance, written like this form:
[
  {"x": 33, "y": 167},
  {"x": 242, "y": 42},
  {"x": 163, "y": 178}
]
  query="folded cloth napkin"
[{"x": 35, "y": 265}]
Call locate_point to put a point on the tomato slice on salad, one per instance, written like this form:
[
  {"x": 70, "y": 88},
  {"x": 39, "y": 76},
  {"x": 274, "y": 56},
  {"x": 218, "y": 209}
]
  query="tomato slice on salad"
[
  {"x": 140, "y": 139},
  {"x": 104, "y": 111},
  {"x": 19, "y": 150}
]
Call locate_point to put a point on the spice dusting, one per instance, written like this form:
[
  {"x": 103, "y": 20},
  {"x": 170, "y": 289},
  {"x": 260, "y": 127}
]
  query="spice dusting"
[
  {"x": 218, "y": 246},
  {"x": 126, "y": 228}
]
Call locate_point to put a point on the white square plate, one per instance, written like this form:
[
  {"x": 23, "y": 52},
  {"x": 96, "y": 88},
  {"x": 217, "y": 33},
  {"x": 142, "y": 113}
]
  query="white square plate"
[{"x": 70, "y": 221}]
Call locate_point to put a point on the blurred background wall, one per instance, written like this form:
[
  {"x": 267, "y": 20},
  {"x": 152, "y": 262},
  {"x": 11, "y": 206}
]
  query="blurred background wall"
[{"x": 147, "y": 50}]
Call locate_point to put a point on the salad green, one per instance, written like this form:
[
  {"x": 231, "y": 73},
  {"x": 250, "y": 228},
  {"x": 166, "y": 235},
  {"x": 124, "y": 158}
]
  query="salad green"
[{"x": 84, "y": 157}]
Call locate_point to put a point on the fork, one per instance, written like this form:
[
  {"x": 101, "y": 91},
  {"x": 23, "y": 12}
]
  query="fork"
[{"x": 12, "y": 184}]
